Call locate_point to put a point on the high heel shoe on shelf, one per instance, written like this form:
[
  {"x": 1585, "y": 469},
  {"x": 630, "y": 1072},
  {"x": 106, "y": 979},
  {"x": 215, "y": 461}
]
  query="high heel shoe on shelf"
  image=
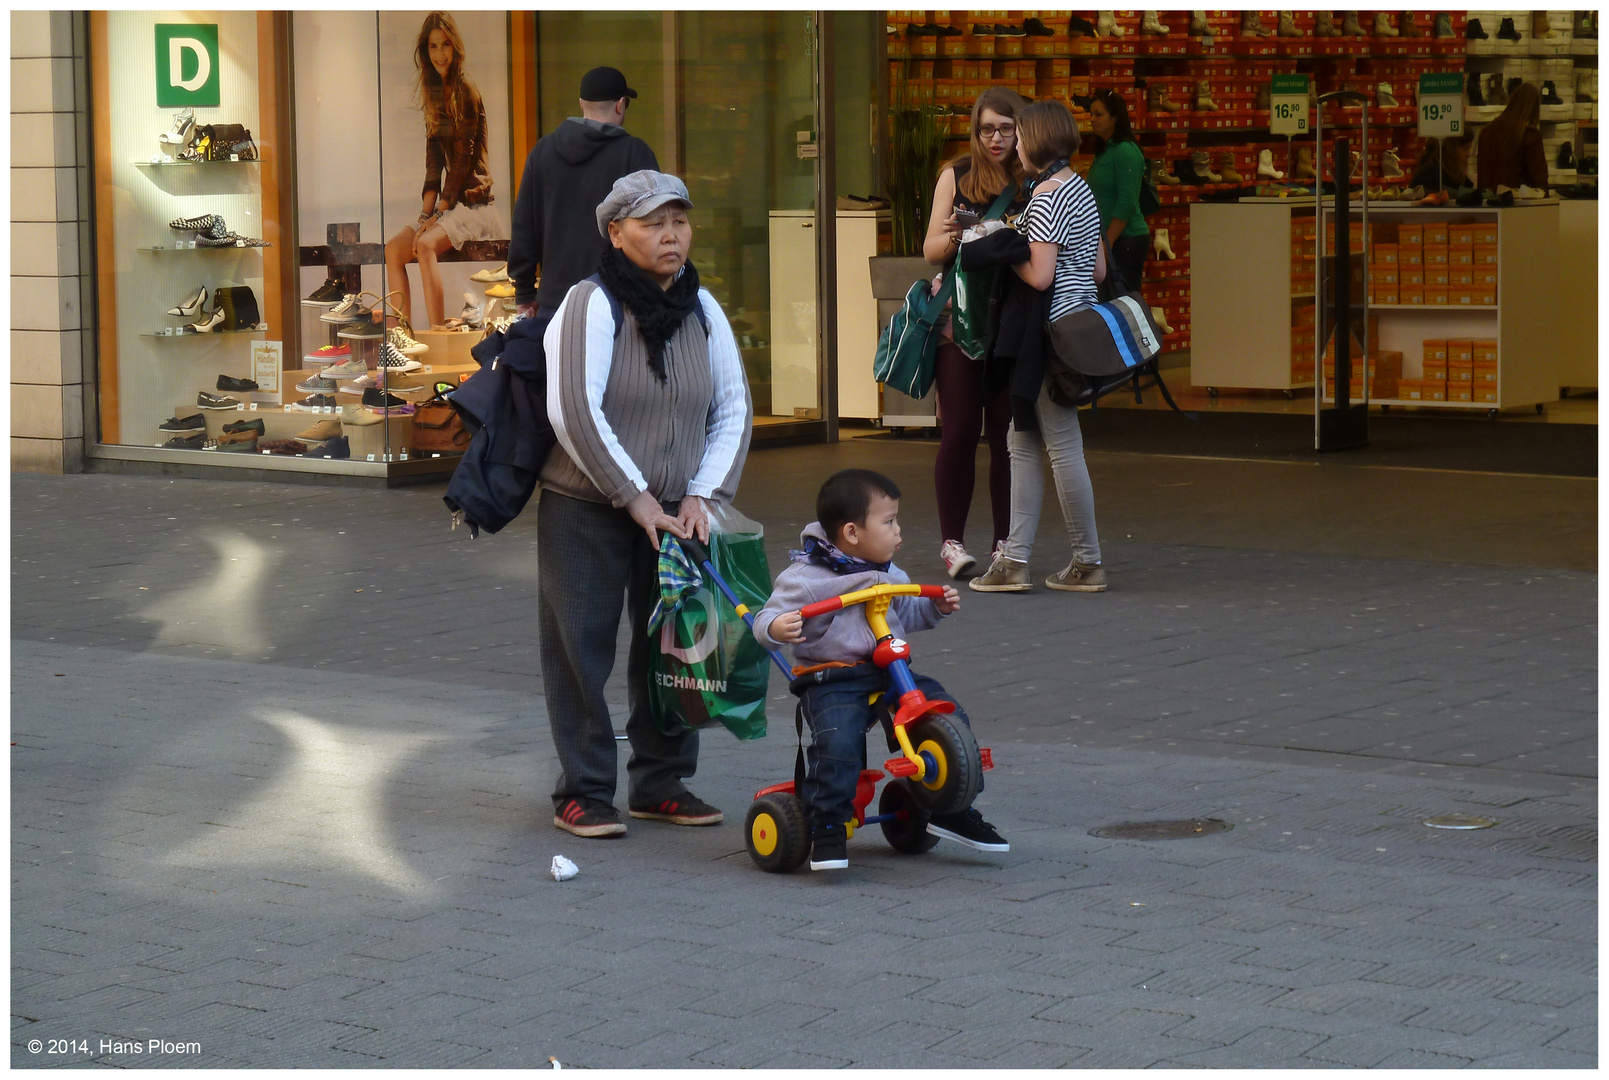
[
  {"x": 182, "y": 134},
  {"x": 1161, "y": 246},
  {"x": 208, "y": 323},
  {"x": 192, "y": 306}
]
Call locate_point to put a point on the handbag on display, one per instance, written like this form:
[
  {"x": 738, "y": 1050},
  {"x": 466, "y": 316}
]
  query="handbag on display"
[
  {"x": 908, "y": 346},
  {"x": 239, "y": 305},
  {"x": 224, "y": 141},
  {"x": 1099, "y": 347},
  {"x": 437, "y": 427}
]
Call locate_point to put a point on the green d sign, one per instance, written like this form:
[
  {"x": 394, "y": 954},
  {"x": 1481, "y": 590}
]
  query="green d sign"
[{"x": 186, "y": 65}]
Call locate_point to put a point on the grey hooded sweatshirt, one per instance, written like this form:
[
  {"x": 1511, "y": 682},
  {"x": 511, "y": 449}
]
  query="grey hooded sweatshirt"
[{"x": 842, "y": 636}]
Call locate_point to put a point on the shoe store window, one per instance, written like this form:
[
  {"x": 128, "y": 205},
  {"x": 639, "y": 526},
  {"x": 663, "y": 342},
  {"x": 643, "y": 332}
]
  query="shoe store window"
[
  {"x": 404, "y": 199},
  {"x": 187, "y": 211}
]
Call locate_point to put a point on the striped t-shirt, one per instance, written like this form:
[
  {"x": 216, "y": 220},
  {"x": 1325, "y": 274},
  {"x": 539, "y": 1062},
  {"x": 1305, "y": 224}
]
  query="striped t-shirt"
[{"x": 1066, "y": 215}]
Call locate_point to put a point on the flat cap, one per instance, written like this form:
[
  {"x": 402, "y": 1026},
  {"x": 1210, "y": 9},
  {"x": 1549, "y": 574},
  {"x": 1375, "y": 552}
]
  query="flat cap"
[{"x": 639, "y": 194}]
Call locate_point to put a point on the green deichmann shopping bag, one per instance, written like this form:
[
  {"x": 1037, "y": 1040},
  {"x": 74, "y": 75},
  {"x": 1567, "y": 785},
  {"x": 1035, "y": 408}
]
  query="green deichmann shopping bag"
[{"x": 705, "y": 666}]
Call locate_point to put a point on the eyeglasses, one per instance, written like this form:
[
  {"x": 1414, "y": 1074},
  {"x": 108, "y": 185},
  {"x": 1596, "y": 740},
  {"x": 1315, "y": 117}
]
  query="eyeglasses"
[{"x": 1004, "y": 131}]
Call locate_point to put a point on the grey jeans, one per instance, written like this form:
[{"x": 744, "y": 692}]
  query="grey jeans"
[
  {"x": 1058, "y": 436},
  {"x": 590, "y": 558}
]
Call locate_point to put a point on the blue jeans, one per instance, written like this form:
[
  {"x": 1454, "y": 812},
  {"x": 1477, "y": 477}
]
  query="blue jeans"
[{"x": 838, "y": 713}]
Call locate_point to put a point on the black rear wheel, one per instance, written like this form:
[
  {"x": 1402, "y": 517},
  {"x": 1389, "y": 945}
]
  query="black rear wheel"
[
  {"x": 776, "y": 833},
  {"x": 907, "y": 833},
  {"x": 959, "y": 773}
]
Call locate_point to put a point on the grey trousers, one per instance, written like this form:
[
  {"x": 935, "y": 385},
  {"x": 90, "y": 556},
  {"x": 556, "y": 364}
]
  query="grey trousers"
[
  {"x": 1059, "y": 437},
  {"x": 592, "y": 557}
]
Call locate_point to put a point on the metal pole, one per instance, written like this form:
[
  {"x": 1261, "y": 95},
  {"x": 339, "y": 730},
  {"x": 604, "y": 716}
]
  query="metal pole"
[{"x": 827, "y": 220}]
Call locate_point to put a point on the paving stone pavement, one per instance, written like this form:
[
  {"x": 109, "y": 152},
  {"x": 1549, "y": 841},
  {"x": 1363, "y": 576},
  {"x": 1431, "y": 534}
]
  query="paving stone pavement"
[{"x": 280, "y": 775}]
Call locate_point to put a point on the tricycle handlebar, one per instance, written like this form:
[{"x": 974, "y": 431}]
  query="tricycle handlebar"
[{"x": 861, "y": 596}]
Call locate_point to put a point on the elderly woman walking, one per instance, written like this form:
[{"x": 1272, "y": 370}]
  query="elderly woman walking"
[{"x": 653, "y": 419}]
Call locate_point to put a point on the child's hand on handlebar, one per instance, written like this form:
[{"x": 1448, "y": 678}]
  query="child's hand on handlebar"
[
  {"x": 787, "y": 628},
  {"x": 950, "y": 603}
]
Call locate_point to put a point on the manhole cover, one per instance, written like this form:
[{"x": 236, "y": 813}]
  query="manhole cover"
[
  {"x": 1162, "y": 830},
  {"x": 1459, "y": 821}
]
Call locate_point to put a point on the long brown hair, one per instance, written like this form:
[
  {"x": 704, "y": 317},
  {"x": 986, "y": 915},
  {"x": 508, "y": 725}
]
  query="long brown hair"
[
  {"x": 984, "y": 179},
  {"x": 1451, "y": 170},
  {"x": 436, "y": 97},
  {"x": 1502, "y": 137}
]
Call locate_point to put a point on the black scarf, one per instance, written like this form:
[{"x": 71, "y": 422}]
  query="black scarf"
[{"x": 659, "y": 312}]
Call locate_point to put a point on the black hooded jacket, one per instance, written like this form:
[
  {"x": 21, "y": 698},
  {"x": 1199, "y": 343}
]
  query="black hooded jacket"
[{"x": 569, "y": 172}]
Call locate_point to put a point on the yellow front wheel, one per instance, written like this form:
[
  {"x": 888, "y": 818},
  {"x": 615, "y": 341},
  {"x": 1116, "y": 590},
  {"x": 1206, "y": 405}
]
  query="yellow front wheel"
[
  {"x": 958, "y": 770},
  {"x": 776, "y": 834}
]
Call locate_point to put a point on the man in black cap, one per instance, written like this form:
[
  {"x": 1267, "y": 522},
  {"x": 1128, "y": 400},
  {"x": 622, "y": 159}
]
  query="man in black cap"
[{"x": 569, "y": 172}]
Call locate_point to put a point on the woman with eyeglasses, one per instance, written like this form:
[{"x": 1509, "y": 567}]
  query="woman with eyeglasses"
[
  {"x": 1115, "y": 179},
  {"x": 972, "y": 399}
]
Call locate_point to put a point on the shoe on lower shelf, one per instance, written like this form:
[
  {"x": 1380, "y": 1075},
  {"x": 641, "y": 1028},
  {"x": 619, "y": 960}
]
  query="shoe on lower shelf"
[{"x": 329, "y": 294}]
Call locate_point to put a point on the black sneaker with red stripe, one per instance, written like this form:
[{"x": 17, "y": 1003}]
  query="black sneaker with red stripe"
[
  {"x": 683, "y": 809},
  {"x": 588, "y": 817}
]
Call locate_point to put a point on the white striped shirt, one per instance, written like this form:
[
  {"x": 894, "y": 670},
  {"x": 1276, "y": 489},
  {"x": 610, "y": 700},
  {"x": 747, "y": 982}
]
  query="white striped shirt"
[{"x": 1066, "y": 215}]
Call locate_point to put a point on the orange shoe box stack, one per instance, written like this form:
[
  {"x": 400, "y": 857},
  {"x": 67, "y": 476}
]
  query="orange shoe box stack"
[
  {"x": 1484, "y": 370},
  {"x": 1433, "y": 383}
]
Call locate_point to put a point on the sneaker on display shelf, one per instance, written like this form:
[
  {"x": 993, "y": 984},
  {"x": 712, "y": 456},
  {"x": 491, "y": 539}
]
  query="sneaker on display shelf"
[
  {"x": 317, "y": 384},
  {"x": 350, "y": 309},
  {"x": 329, "y": 354},
  {"x": 392, "y": 359},
  {"x": 329, "y": 294},
  {"x": 404, "y": 342},
  {"x": 350, "y": 368},
  {"x": 313, "y": 403},
  {"x": 363, "y": 329}
]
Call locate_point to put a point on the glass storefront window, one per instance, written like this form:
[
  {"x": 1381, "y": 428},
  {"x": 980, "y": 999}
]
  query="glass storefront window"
[{"x": 188, "y": 290}]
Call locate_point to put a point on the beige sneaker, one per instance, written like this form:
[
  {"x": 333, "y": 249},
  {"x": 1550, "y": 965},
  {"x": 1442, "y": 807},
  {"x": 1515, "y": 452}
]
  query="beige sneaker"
[
  {"x": 404, "y": 342},
  {"x": 1003, "y": 575},
  {"x": 1078, "y": 579}
]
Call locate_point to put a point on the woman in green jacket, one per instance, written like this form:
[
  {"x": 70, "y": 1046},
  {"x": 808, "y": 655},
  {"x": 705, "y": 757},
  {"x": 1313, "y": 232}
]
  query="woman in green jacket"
[{"x": 1115, "y": 178}]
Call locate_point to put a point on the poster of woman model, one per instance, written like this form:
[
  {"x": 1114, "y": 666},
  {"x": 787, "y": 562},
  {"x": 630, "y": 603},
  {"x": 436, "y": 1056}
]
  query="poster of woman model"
[{"x": 446, "y": 184}]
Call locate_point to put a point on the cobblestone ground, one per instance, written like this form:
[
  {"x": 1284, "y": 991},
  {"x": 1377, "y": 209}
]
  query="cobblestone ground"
[{"x": 281, "y": 764}]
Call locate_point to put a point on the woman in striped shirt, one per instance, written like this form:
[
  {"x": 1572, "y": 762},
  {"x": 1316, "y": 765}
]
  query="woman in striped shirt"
[{"x": 1063, "y": 227}]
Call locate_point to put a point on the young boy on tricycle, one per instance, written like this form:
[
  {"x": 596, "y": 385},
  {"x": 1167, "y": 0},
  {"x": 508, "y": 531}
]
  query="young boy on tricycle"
[{"x": 841, "y": 663}]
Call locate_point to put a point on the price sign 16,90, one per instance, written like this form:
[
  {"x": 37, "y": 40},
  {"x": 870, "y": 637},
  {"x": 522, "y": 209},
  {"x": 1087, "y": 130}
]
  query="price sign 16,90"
[
  {"x": 1441, "y": 106},
  {"x": 1288, "y": 106}
]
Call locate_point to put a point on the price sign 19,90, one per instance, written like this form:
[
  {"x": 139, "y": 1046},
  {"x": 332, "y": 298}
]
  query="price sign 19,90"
[
  {"x": 1441, "y": 106},
  {"x": 1288, "y": 106}
]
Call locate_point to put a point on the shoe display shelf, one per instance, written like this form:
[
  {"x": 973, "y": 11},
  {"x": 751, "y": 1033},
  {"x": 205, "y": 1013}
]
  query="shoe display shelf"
[{"x": 1250, "y": 287}]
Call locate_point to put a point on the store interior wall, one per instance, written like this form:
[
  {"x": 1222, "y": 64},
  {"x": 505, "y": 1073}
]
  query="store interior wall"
[
  {"x": 159, "y": 376},
  {"x": 571, "y": 43}
]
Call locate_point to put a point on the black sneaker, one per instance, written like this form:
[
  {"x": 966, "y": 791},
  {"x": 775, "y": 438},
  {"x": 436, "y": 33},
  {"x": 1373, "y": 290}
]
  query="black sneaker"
[
  {"x": 245, "y": 425},
  {"x": 380, "y": 399},
  {"x": 329, "y": 294},
  {"x": 588, "y": 817},
  {"x": 197, "y": 441},
  {"x": 193, "y": 422},
  {"x": 239, "y": 386},
  {"x": 829, "y": 849},
  {"x": 969, "y": 828},
  {"x": 213, "y": 401},
  {"x": 683, "y": 809},
  {"x": 337, "y": 447}
]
